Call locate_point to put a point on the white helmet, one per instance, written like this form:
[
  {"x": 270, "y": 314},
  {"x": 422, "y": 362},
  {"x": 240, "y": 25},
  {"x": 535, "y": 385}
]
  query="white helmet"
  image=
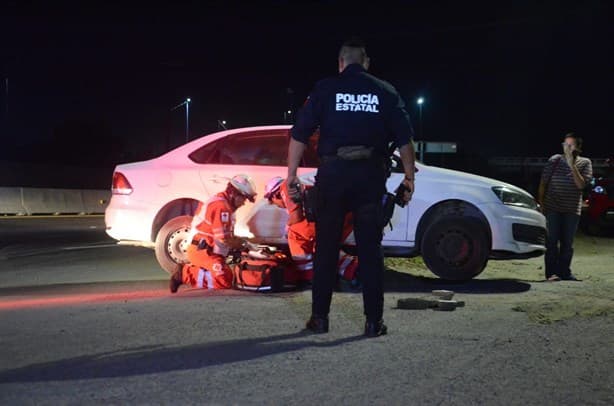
[
  {"x": 272, "y": 186},
  {"x": 244, "y": 185}
]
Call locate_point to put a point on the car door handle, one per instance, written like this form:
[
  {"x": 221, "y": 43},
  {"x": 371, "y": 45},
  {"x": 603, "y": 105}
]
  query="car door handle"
[{"x": 218, "y": 179}]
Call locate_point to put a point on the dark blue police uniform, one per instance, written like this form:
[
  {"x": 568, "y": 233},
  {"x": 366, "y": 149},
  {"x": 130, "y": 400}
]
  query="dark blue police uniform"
[{"x": 352, "y": 109}]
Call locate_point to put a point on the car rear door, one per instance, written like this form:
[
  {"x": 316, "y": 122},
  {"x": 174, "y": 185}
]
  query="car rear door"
[
  {"x": 261, "y": 154},
  {"x": 399, "y": 221}
]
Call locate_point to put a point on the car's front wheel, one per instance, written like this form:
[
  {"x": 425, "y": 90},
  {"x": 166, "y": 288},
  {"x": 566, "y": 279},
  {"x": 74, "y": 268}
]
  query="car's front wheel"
[
  {"x": 593, "y": 227},
  {"x": 455, "y": 247},
  {"x": 172, "y": 243}
]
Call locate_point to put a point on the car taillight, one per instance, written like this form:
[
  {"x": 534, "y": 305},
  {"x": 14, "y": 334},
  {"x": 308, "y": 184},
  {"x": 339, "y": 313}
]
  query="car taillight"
[{"x": 120, "y": 186}]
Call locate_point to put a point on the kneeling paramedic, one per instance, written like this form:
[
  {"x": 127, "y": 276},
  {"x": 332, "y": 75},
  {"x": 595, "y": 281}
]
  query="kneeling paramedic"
[
  {"x": 302, "y": 233},
  {"x": 213, "y": 230},
  {"x": 358, "y": 116}
]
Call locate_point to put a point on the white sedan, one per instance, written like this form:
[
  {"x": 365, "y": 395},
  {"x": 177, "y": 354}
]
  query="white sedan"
[{"x": 456, "y": 221}]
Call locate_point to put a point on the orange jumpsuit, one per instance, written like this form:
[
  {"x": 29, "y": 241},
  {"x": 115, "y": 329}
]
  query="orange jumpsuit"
[
  {"x": 213, "y": 222},
  {"x": 301, "y": 240}
]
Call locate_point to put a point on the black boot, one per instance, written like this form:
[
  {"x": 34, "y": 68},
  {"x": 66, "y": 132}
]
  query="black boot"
[
  {"x": 317, "y": 324},
  {"x": 375, "y": 329},
  {"x": 176, "y": 279}
]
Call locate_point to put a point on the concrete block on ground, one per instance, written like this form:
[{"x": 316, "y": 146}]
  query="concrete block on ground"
[{"x": 10, "y": 201}]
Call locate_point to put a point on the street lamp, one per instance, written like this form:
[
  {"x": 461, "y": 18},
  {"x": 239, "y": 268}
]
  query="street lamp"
[
  {"x": 420, "y": 102},
  {"x": 221, "y": 124},
  {"x": 185, "y": 103},
  {"x": 287, "y": 113}
]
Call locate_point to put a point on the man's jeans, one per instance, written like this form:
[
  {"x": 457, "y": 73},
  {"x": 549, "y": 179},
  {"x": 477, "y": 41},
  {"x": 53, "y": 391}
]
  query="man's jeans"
[{"x": 559, "y": 243}]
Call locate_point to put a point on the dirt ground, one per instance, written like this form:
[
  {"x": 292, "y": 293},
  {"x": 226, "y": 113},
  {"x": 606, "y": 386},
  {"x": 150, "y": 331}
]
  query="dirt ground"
[
  {"x": 543, "y": 302},
  {"x": 119, "y": 337}
]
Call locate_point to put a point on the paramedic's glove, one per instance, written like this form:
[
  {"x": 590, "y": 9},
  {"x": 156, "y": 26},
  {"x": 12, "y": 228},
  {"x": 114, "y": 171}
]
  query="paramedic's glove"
[
  {"x": 202, "y": 244},
  {"x": 237, "y": 243},
  {"x": 234, "y": 257}
]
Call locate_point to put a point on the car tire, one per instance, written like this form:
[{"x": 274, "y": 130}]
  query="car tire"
[
  {"x": 171, "y": 243},
  {"x": 455, "y": 248},
  {"x": 593, "y": 228}
]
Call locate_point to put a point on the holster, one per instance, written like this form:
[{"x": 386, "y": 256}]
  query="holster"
[
  {"x": 388, "y": 202},
  {"x": 310, "y": 203}
]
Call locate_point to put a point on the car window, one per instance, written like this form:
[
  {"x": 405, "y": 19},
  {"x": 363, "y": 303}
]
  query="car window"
[
  {"x": 206, "y": 154},
  {"x": 269, "y": 148}
]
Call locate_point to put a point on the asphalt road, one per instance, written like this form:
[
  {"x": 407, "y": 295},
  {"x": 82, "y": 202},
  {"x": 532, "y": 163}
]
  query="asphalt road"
[
  {"x": 87, "y": 322},
  {"x": 58, "y": 250}
]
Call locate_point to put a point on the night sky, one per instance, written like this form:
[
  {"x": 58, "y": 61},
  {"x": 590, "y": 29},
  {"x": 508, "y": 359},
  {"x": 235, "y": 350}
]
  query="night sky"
[{"x": 94, "y": 87}]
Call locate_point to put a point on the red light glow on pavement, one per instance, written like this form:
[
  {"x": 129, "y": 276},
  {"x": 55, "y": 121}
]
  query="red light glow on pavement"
[{"x": 52, "y": 301}]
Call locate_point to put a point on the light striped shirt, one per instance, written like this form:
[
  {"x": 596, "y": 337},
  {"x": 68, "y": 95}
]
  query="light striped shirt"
[{"x": 561, "y": 194}]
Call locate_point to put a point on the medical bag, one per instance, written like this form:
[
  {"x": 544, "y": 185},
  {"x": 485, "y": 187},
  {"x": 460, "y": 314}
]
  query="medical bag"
[{"x": 264, "y": 270}]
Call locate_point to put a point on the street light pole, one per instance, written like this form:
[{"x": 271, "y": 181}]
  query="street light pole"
[
  {"x": 187, "y": 120},
  {"x": 5, "y": 121},
  {"x": 420, "y": 102},
  {"x": 6, "y": 89},
  {"x": 185, "y": 103}
]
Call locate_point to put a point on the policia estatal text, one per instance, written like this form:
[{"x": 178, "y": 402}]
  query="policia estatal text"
[{"x": 358, "y": 116}]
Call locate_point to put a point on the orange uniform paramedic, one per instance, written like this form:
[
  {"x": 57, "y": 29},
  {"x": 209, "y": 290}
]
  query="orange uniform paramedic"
[
  {"x": 213, "y": 238},
  {"x": 301, "y": 233}
]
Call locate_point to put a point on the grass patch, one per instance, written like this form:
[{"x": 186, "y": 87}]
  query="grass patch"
[
  {"x": 547, "y": 312},
  {"x": 413, "y": 265}
]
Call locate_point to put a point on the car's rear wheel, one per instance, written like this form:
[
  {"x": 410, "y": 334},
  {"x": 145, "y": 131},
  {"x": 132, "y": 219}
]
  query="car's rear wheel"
[
  {"x": 455, "y": 247},
  {"x": 172, "y": 244}
]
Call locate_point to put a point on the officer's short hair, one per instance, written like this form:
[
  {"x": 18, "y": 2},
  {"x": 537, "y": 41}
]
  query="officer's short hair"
[{"x": 353, "y": 50}]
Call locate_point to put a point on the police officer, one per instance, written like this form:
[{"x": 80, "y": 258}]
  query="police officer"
[{"x": 358, "y": 116}]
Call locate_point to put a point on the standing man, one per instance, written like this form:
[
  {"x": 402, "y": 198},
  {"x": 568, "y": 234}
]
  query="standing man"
[
  {"x": 560, "y": 195},
  {"x": 213, "y": 230},
  {"x": 358, "y": 116}
]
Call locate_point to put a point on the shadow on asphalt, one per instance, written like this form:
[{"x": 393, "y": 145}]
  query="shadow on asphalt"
[
  {"x": 159, "y": 359},
  {"x": 395, "y": 281}
]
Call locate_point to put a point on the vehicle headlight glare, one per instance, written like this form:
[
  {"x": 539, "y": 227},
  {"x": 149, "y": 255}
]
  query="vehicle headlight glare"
[
  {"x": 599, "y": 190},
  {"x": 514, "y": 198}
]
